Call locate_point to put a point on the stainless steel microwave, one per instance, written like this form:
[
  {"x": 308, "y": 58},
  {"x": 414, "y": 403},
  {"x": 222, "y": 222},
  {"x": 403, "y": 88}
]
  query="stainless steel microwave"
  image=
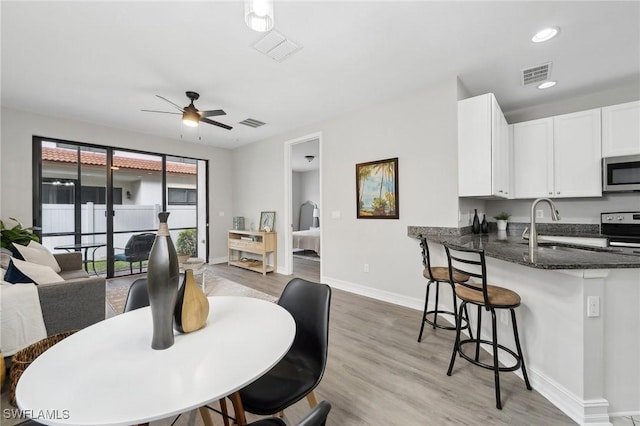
[{"x": 621, "y": 174}]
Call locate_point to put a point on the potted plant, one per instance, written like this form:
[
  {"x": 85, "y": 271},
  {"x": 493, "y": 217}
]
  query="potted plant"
[
  {"x": 502, "y": 219},
  {"x": 16, "y": 234},
  {"x": 186, "y": 245}
]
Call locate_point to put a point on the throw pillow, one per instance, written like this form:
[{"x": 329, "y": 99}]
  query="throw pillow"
[
  {"x": 37, "y": 254},
  {"x": 24, "y": 272}
]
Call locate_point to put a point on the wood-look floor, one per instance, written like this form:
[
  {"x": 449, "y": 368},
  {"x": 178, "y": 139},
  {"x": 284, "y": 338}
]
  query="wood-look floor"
[{"x": 378, "y": 374}]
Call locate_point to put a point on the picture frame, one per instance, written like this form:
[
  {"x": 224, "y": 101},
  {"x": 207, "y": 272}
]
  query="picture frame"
[
  {"x": 267, "y": 220},
  {"x": 377, "y": 189}
]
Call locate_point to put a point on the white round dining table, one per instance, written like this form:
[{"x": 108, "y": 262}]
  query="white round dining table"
[{"x": 107, "y": 374}]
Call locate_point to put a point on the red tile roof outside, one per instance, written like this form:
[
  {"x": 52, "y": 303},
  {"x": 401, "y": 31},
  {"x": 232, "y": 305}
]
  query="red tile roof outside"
[{"x": 98, "y": 159}]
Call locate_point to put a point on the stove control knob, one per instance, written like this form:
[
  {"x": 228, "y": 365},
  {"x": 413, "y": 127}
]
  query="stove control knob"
[
  {"x": 620, "y": 217},
  {"x": 609, "y": 218}
]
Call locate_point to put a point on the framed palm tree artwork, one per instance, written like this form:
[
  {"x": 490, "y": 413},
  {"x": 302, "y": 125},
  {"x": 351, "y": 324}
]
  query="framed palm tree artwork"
[{"x": 377, "y": 189}]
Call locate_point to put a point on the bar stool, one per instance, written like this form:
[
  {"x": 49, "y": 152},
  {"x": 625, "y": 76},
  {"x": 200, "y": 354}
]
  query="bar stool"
[
  {"x": 437, "y": 274},
  {"x": 471, "y": 262}
]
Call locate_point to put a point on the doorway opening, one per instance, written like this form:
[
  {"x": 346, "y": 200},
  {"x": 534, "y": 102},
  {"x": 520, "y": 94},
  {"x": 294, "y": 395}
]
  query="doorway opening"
[{"x": 303, "y": 194}]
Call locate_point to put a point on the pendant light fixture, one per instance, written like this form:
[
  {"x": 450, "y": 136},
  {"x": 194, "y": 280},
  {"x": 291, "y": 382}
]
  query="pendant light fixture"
[{"x": 258, "y": 15}]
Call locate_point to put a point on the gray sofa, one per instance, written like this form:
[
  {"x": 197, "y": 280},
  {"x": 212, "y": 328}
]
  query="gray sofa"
[{"x": 77, "y": 302}]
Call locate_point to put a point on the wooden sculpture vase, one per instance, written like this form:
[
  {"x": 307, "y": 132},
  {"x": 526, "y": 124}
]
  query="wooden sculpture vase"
[
  {"x": 192, "y": 306},
  {"x": 163, "y": 276}
]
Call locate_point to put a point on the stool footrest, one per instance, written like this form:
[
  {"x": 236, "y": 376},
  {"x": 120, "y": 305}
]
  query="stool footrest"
[
  {"x": 488, "y": 366},
  {"x": 445, "y": 327}
]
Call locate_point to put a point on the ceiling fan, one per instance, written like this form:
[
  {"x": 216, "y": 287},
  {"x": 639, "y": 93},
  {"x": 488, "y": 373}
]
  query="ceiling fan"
[{"x": 191, "y": 115}]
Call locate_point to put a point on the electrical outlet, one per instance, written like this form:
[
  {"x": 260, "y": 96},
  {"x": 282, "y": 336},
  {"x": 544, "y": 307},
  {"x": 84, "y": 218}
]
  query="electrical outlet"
[
  {"x": 504, "y": 317},
  {"x": 593, "y": 306},
  {"x": 539, "y": 214},
  {"x": 366, "y": 267}
]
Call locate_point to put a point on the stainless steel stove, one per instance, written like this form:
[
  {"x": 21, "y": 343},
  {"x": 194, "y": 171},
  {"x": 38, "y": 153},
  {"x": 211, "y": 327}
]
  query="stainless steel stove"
[{"x": 622, "y": 229}]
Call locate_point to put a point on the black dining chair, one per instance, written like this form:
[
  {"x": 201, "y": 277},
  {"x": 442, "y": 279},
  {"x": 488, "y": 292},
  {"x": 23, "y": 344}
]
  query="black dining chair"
[
  {"x": 300, "y": 371},
  {"x": 316, "y": 417},
  {"x": 137, "y": 249},
  {"x": 138, "y": 295}
]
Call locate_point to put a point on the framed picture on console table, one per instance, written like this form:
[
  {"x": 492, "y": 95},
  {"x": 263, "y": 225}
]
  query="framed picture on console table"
[
  {"x": 377, "y": 189},
  {"x": 267, "y": 221}
]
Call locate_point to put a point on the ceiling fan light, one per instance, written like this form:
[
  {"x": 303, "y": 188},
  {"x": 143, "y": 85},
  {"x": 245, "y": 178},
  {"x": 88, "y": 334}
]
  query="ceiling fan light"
[
  {"x": 190, "y": 118},
  {"x": 258, "y": 15}
]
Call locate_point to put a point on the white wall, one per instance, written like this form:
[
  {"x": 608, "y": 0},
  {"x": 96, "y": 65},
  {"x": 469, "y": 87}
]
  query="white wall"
[
  {"x": 19, "y": 127},
  {"x": 419, "y": 129}
]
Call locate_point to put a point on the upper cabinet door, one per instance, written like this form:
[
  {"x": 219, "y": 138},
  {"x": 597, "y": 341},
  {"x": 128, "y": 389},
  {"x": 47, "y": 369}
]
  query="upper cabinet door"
[
  {"x": 621, "y": 129},
  {"x": 576, "y": 154},
  {"x": 500, "y": 153},
  {"x": 533, "y": 158},
  {"x": 483, "y": 142}
]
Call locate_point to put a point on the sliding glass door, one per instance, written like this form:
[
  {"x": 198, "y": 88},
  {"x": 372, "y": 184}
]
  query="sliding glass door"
[{"x": 104, "y": 202}]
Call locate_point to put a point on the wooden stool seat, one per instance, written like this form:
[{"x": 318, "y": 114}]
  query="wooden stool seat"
[
  {"x": 441, "y": 273},
  {"x": 499, "y": 297}
]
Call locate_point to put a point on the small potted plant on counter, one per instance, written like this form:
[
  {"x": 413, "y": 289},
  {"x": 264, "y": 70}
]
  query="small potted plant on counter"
[{"x": 502, "y": 219}]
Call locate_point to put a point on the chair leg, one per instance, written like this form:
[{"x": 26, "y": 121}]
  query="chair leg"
[
  {"x": 435, "y": 309},
  {"x": 236, "y": 401},
  {"x": 225, "y": 413},
  {"x": 311, "y": 398},
  {"x": 515, "y": 335},
  {"x": 478, "y": 332},
  {"x": 466, "y": 313},
  {"x": 456, "y": 343},
  {"x": 206, "y": 418},
  {"x": 496, "y": 371},
  {"x": 424, "y": 314}
]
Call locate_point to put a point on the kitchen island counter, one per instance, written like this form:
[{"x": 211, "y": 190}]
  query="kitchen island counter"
[
  {"x": 547, "y": 256},
  {"x": 583, "y": 358}
]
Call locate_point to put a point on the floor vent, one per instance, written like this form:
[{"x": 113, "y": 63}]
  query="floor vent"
[
  {"x": 252, "y": 123},
  {"x": 276, "y": 46},
  {"x": 536, "y": 74}
]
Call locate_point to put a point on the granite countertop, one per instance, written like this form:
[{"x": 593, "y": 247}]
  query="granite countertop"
[{"x": 514, "y": 249}]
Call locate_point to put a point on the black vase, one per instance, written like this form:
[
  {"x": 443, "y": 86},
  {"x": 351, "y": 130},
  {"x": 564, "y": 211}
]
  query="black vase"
[
  {"x": 476, "y": 223},
  {"x": 484, "y": 226},
  {"x": 162, "y": 281}
]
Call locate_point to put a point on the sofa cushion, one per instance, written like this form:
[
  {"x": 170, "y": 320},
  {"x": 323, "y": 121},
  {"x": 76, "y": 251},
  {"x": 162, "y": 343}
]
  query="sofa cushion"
[
  {"x": 20, "y": 271},
  {"x": 37, "y": 253}
]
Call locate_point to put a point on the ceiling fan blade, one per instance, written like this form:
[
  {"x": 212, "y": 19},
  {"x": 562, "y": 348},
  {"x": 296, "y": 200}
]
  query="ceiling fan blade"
[
  {"x": 215, "y": 123},
  {"x": 167, "y": 100},
  {"x": 162, "y": 112},
  {"x": 212, "y": 113}
]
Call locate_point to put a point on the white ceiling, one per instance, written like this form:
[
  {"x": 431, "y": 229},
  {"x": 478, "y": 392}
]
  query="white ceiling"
[{"x": 102, "y": 62}]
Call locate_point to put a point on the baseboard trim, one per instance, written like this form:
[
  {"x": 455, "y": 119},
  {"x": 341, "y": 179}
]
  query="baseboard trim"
[
  {"x": 584, "y": 412},
  {"x": 382, "y": 295}
]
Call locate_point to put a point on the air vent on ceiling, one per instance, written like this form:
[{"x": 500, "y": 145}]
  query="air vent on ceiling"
[
  {"x": 252, "y": 123},
  {"x": 276, "y": 46},
  {"x": 536, "y": 74}
]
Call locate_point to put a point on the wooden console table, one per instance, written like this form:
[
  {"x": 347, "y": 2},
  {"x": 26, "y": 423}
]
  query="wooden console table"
[{"x": 255, "y": 242}]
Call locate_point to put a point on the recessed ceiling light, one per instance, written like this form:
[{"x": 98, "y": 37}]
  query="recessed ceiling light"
[
  {"x": 547, "y": 84},
  {"x": 544, "y": 35}
]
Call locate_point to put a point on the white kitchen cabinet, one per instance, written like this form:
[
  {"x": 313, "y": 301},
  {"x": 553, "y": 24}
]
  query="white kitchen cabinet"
[
  {"x": 533, "y": 158},
  {"x": 483, "y": 148},
  {"x": 577, "y": 154},
  {"x": 621, "y": 129},
  {"x": 558, "y": 156}
]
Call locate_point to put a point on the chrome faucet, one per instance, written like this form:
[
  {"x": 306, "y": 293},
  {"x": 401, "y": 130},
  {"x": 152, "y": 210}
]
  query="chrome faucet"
[{"x": 533, "y": 234}]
